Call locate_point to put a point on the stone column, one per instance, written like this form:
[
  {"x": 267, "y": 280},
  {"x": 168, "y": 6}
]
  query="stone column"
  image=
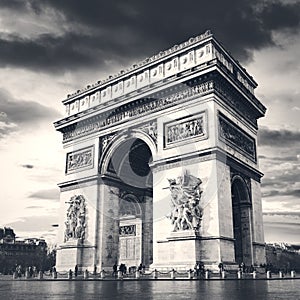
[
  {"x": 108, "y": 226},
  {"x": 147, "y": 229}
]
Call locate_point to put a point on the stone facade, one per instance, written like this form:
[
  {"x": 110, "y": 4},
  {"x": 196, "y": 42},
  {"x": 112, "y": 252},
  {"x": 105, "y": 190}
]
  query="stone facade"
[{"x": 177, "y": 133}]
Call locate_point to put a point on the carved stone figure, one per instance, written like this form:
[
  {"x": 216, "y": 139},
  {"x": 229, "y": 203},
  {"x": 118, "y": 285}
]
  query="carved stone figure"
[
  {"x": 185, "y": 195},
  {"x": 75, "y": 223}
]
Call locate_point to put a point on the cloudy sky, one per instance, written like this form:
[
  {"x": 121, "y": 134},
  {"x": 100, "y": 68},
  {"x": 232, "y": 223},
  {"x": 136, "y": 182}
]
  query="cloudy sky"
[{"x": 51, "y": 48}]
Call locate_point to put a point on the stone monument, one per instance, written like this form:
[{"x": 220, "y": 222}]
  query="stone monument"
[{"x": 161, "y": 165}]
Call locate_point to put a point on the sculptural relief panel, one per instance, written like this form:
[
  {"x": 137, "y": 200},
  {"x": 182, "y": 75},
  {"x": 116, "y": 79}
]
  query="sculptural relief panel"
[
  {"x": 186, "y": 211},
  {"x": 80, "y": 160},
  {"x": 75, "y": 224},
  {"x": 236, "y": 137},
  {"x": 186, "y": 129}
]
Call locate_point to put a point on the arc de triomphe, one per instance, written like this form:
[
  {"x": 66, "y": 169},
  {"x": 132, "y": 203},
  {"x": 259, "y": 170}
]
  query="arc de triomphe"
[{"x": 161, "y": 165}]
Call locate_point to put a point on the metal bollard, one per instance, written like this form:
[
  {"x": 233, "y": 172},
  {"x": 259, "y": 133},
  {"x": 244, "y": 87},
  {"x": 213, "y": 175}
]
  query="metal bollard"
[
  {"x": 41, "y": 274},
  {"x": 190, "y": 274},
  {"x": 280, "y": 274},
  {"x": 223, "y": 274},
  {"x": 239, "y": 274},
  {"x": 120, "y": 275},
  {"x": 269, "y": 275},
  {"x": 173, "y": 274},
  {"x": 54, "y": 275},
  {"x": 293, "y": 274},
  {"x": 206, "y": 274},
  {"x": 254, "y": 274},
  {"x": 15, "y": 275},
  {"x": 155, "y": 274},
  {"x": 137, "y": 274},
  {"x": 102, "y": 274},
  {"x": 86, "y": 274}
]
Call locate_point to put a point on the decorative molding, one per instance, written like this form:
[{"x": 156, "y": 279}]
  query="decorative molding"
[
  {"x": 186, "y": 129},
  {"x": 80, "y": 160},
  {"x": 105, "y": 140},
  {"x": 138, "y": 108},
  {"x": 156, "y": 57},
  {"x": 234, "y": 99},
  {"x": 180, "y": 162},
  {"x": 150, "y": 129},
  {"x": 237, "y": 138}
]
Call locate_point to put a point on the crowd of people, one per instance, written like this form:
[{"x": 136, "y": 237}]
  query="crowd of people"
[{"x": 31, "y": 271}]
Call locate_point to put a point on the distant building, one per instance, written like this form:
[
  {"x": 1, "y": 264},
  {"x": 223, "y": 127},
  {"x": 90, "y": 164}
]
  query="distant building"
[
  {"x": 283, "y": 256},
  {"x": 28, "y": 252}
]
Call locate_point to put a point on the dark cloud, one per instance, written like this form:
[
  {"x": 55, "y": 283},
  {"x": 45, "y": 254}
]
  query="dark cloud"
[
  {"x": 16, "y": 114},
  {"x": 291, "y": 192},
  {"x": 27, "y": 166},
  {"x": 103, "y": 31},
  {"x": 50, "y": 194},
  {"x": 278, "y": 138},
  {"x": 283, "y": 213},
  {"x": 34, "y": 207}
]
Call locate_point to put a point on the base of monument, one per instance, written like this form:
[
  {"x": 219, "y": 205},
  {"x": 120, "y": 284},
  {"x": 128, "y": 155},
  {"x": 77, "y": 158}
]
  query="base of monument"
[
  {"x": 180, "y": 251},
  {"x": 73, "y": 253}
]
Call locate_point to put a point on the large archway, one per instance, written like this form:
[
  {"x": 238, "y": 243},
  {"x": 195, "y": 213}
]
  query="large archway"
[
  {"x": 128, "y": 169},
  {"x": 242, "y": 221}
]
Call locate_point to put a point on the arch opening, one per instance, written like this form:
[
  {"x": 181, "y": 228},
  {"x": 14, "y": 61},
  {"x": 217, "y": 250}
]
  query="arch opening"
[
  {"x": 129, "y": 168},
  {"x": 242, "y": 227}
]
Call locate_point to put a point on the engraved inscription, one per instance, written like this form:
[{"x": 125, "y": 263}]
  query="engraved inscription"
[
  {"x": 80, "y": 160},
  {"x": 236, "y": 137}
]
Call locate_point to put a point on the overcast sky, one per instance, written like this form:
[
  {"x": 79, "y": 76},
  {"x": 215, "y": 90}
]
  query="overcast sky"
[{"x": 49, "y": 49}]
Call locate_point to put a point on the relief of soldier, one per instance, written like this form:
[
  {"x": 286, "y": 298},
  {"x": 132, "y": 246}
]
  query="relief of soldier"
[
  {"x": 75, "y": 223},
  {"x": 185, "y": 196}
]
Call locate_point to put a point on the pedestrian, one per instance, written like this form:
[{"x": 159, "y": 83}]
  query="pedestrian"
[
  {"x": 115, "y": 269},
  {"x": 76, "y": 271}
]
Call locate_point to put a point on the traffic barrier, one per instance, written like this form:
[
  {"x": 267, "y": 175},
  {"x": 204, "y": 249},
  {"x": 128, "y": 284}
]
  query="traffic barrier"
[
  {"x": 207, "y": 275},
  {"x": 254, "y": 274},
  {"x": 86, "y": 274},
  {"x": 239, "y": 274},
  {"x": 269, "y": 274},
  {"x": 102, "y": 274},
  {"x": 280, "y": 274},
  {"x": 223, "y": 274},
  {"x": 293, "y": 274},
  {"x": 120, "y": 275},
  {"x": 41, "y": 275}
]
